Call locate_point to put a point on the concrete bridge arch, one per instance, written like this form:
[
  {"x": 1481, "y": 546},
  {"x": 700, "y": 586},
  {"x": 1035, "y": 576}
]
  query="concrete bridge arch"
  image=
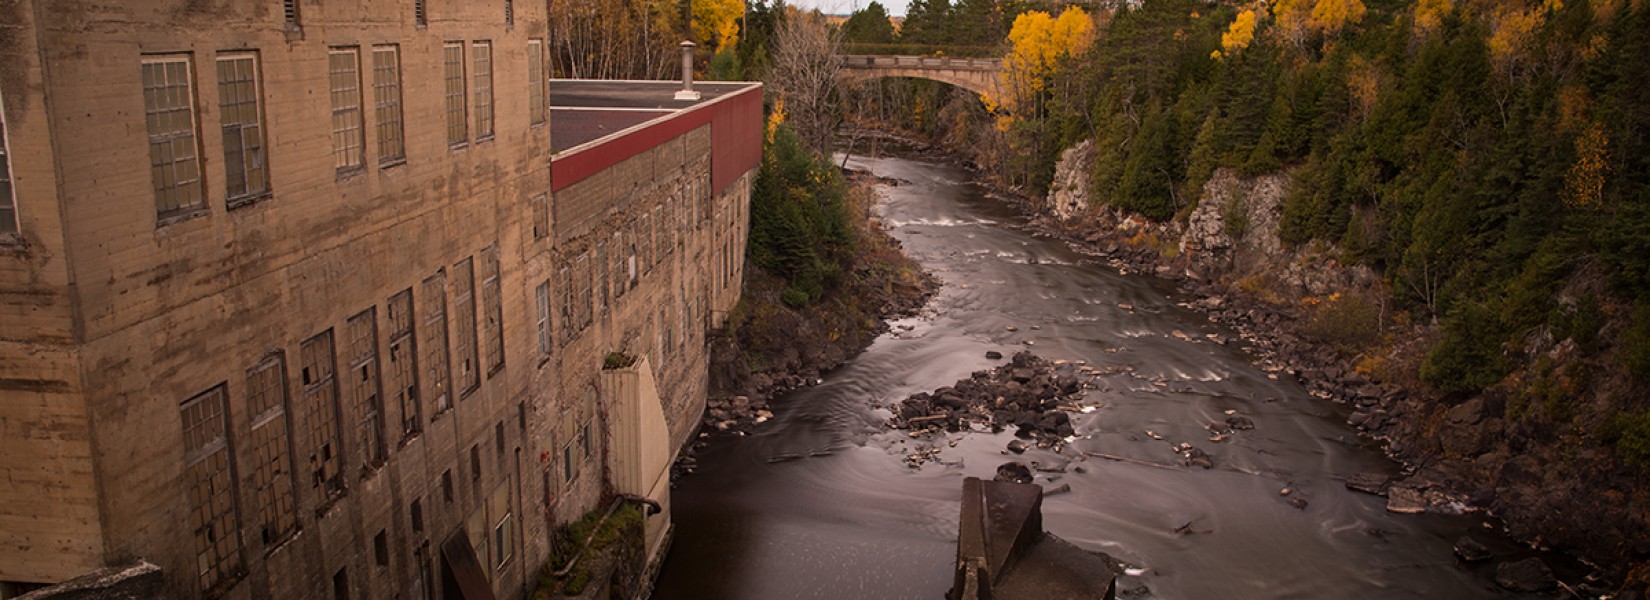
[{"x": 978, "y": 75}]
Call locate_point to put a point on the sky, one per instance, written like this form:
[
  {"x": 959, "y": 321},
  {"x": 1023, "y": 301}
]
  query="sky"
[{"x": 842, "y": 7}]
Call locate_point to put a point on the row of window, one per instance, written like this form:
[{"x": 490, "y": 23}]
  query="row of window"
[
  {"x": 294, "y": 17},
  {"x": 169, "y": 111},
  {"x": 337, "y": 413}
]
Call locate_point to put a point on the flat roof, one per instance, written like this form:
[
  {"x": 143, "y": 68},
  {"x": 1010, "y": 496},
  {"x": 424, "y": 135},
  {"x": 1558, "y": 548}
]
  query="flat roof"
[{"x": 586, "y": 110}]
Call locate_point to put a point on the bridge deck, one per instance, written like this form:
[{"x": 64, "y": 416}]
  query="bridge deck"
[{"x": 882, "y": 61}]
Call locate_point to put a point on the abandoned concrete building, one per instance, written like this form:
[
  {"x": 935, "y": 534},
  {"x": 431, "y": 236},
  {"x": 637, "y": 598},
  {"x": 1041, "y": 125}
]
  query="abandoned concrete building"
[{"x": 305, "y": 299}]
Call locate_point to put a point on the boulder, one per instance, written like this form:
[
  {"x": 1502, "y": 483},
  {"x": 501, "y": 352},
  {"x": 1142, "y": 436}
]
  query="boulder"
[
  {"x": 1013, "y": 472},
  {"x": 1470, "y": 550},
  {"x": 1528, "y": 575},
  {"x": 1369, "y": 483}
]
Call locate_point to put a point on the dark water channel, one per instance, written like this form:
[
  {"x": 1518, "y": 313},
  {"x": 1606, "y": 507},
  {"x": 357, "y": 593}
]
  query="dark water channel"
[{"x": 851, "y": 520}]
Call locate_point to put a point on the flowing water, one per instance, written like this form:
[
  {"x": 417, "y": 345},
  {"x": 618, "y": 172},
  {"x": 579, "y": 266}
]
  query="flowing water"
[{"x": 850, "y": 520}]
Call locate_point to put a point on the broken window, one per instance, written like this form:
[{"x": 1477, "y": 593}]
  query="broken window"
[
  {"x": 503, "y": 525},
  {"x": 361, "y": 388},
  {"x": 169, "y": 112},
  {"x": 272, "y": 462},
  {"x": 618, "y": 272},
  {"x": 403, "y": 372},
  {"x": 320, "y": 433},
  {"x": 493, "y": 310},
  {"x": 246, "y": 175},
  {"x": 482, "y": 52},
  {"x": 644, "y": 242},
  {"x": 8, "y": 202},
  {"x": 564, "y": 282},
  {"x": 542, "y": 297},
  {"x": 581, "y": 275},
  {"x": 601, "y": 276},
  {"x": 464, "y": 318},
  {"x": 386, "y": 96},
  {"x": 458, "y": 125},
  {"x": 541, "y": 217},
  {"x": 434, "y": 343},
  {"x": 344, "y": 81},
  {"x": 212, "y": 511}
]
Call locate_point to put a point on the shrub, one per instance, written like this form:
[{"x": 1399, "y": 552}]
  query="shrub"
[
  {"x": 1632, "y": 436},
  {"x": 1635, "y": 344},
  {"x": 1349, "y": 322}
]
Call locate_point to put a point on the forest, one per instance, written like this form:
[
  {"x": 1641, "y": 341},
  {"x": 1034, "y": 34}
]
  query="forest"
[{"x": 1486, "y": 158}]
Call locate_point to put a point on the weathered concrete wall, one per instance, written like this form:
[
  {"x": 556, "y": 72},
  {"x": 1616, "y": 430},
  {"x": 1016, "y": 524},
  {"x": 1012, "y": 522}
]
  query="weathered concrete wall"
[
  {"x": 161, "y": 312},
  {"x": 49, "y": 526}
]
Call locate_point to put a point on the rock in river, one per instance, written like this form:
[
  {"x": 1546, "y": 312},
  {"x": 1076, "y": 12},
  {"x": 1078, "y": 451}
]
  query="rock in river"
[{"x": 1528, "y": 575}]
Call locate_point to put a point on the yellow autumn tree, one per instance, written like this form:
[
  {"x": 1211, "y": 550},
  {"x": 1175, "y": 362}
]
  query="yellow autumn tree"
[
  {"x": 1240, "y": 33},
  {"x": 1037, "y": 44},
  {"x": 717, "y": 22},
  {"x": 1331, "y": 16},
  {"x": 1292, "y": 19},
  {"x": 1429, "y": 15},
  {"x": 1584, "y": 183},
  {"x": 1511, "y": 31}
]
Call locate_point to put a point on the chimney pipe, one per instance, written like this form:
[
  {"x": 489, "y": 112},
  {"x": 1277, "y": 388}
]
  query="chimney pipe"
[{"x": 687, "y": 92}]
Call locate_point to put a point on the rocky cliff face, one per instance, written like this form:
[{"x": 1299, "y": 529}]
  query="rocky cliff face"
[{"x": 1301, "y": 309}]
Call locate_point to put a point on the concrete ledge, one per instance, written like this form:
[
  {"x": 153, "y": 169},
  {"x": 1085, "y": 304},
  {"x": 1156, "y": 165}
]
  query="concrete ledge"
[
  {"x": 1004, "y": 554},
  {"x": 142, "y": 581}
]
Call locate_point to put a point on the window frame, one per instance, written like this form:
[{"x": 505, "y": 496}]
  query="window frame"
[
  {"x": 11, "y": 226},
  {"x": 481, "y": 61},
  {"x": 227, "y": 568},
  {"x": 275, "y": 410},
  {"x": 388, "y": 108},
  {"x": 537, "y": 83},
  {"x": 248, "y": 195},
  {"x": 180, "y": 212},
  {"x": 343, "y": 160},
  {"x": 455, "y": 94}
]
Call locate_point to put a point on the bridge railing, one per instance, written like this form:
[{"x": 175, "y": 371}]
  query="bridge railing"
[
  {"x": 880, "y": 61},
  {"x": 923, "y": 50}
]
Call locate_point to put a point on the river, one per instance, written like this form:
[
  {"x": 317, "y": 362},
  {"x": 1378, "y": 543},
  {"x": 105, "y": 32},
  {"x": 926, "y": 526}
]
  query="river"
[{"x": 851, "y": 520}]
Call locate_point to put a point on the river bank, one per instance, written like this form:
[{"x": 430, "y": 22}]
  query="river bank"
[
  {"x": 823, "y": 501},
  {"x": 769, "y": 347},
  {"x": 1308, "y": 317}
]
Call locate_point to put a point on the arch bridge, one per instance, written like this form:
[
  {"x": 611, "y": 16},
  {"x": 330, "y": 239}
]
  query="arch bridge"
[{"x": 978, "y": 75}]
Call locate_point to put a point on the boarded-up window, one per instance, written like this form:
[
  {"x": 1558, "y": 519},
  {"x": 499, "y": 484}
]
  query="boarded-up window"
[
  {"x": 212, "y": 512},
  {"x": 246, "y": 175},
  {"x": 271, "y": 459},
  {"x": 464, "y": 322},
  {"x": 564, "y": 283},
  {"x": 169, "y": 113},
  {"x": 536, "y": 91},
  {"x": 321, "y": 428},
  {"x": 541, "y": 216},
  {"x": 362, "y": 390},
  {"x": 492, "y": 304},
  {"x": 344, "y": 81},
  {"x": 403, "y": 357},
  {"x": 386, "y": 97},
  {"x": 437, "y": 373}
]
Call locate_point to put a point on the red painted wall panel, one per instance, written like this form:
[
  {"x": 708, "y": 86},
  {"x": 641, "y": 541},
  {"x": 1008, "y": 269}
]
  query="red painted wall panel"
[{"x": 735, "y": 139}]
